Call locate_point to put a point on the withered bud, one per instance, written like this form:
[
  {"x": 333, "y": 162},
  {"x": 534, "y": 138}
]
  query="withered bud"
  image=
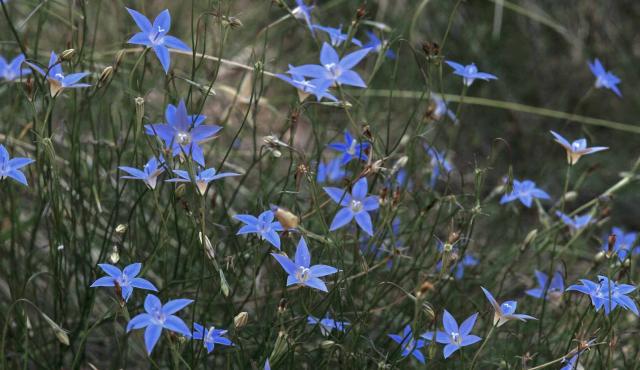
[
  {"x": 366, "y": 132},
  {"x": 361, "y": 12},
  {"x": 376, "y": 166},
  {"x": 121, "y": 228},
  {"x": 453, "y": 237},
  {"x": 67, "y": 55},
  {"x": 282, "y": 306},
  {"x": 105, "y": 76},
  {"x": 119, "y": 57},
  {"x": 28, "y": 88},
  {"x": 611, "y": 242},
  {"x": 431, "y": 49},
  {"x": 231, "y": 22},
  {"x": 240, "y": 320},
  {"x": 400, "y": 163},
  {"x": 286, "y": 218}
]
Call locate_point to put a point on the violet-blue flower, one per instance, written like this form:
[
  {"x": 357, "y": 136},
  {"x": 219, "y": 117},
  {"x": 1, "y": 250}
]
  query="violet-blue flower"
[
  {"x": 409, "y": 345},
  {"x": 183, "y": 133},
  {"x": 624, "y": 245},
  {"x": 440, "y": 166},
  {"x": 158, "y": 317},
  {"x": 604, "y": 78},
  {"x": 441, "y": 109},
  {"x": 454, "y": 337},
  {"x": 547, "y": 289},
  {"x": 525, "y": 191},
  {"x": 317, "y": 87},
  {"x": 149, "y": 173},
  {"x": 351, "y": 148},
  {"x": 202, "y": 177},
  {"x": 155, "y": 36},
  {"x": 469, "y": 73},
  {"x": 336, "y": 37},
  {"x": 506, "y": 311},
  {"x": 378, "y": 46},
  {"x": 333, "y": 68},
  {"x": 607, "y": 293},
  {"x": 330, "y": 171},
  {"x": 355, "y": 205},
  {"x": 210, "y": 336},
  {"x": 10, "y": 167},
  {"x": 303, "y": 11},
  {"x": 263, "y": 225},
  {"x": 327, "y": 324},
  {"x": 300, "y": 270},
  {"x": 58, "y": 81},
  {"x": 576, "y": 222},
  {"x": 576, "y": 148},
  {"x": 10, "y": 71},
  {"x": 125, "y": 280}
]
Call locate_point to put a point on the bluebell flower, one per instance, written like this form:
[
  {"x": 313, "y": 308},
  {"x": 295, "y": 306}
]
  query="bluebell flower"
[
  {"x": 300, "y": 270},
  {"x": 327, "y": 324},
  {"x": 440, "y": 166},
  {"x": 267, "y": 366},
  {"x": 58, "y": 81},
  {"x": 336, "y": 36},
  {"x": 576, "y": 222},
  {"x": 10, "y": 71},
  {"x": 183, "y": 133},
  {"x": 158, "y": 317},
  {"x": 506, "y": 311},
  {"x": 607, "y": 293},
  {"x": 577, "y": 148},
  {"x": 124, "y": 280},
  {"x": 317, "y": 87},
  {"x": 355, "y": 205},
  {"x": 547, "y": 289},
  {"x": 454, "y": 337},
  {"x": 351, "y": 148},
  {"x": 155, "y": 36},
  {"x": 264, "y": 225},
  {"x": 202, "y": 177},
  {"x": 378, "y": 46},
  {"x": 10, "y": 167},
  {"x": 409, "y": 345},
  {"x": 210, "y": 336},
  {"x": 149, "y": 173},
  {"x": 469, "y": 73},
  {"x": 332, "y": 171},
  {"x": 334, "y": 69},
  {"x": 440, "y": 109},
  {"x": 604, "y": 78},
  {"x": 624, "y": 246},
  {"x": 303, "y": 11},
  {"x": 524, "y": 191}
]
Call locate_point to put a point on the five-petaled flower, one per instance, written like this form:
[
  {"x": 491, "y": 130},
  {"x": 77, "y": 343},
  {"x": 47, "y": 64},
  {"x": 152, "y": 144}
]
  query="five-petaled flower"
[
  {"x": 577, "y": 148},
  {"x": 604, "y": 78},
  {"x": 10, "y": 167},
  {"x": 58, "y": 81},
  {"x": 303, "y": 11},
  {"x": 454, "y": 337},
  {"x": 351, "y": 148},
  {"x": 469, "y": 73},
  {"x": 263, "y": 225},
  {"x": 149, "y": 173},
  {"x": 547, "y": 289},
  {"x": 327, "y": 324},
  {"x": 439, "y": 108},
  {"x": 336, "y": 37},
  {"x": 576, "y": 222},
  {"x": 607, "y": 293},
  {"x": 409, "y": 345},
  {"x": 524, "y": 191},
  {"x": 182, "y": 133},
  {"x": 124, "y": 280},
  {"x": 378, "y": 45},
  {"x": 13, "y": 70},
  {"x": 155, "y": 36},
  {"x": 333, "y": 68},
  {"x": 300, "y": 270},
  {"x": 210, "y": 336},
  {"x": 440, "y": 166},
  {"x": 355, "y": 205},
  {"x": 317, "y": 86},
  {"x": 330, "y": 171},
  {"x": 506, "y": 311},
  {"x": 202, "y": 177},
  {"x": 624, "y": 245},
  {"x": 158, "y": 317}
]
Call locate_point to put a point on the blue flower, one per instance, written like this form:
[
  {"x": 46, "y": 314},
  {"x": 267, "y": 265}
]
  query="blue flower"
[
  {"x": 13, "y": 70},
  {"x": 576, "y": 222},
  {"x": 202, "y": 177},
  {"x": 183, "y": 133},
  {"x": 607, "y": 293},
  {"x": 409, "y": 345},
  {"x": 506, "y": 311},
  {"x": 336, "y": 36},
  {"x": 303, "y": 11},
  {"x": 377, "y": 45},
  {"x": 350, "y": 148},
  {"x": 454, "y": 337},
  {"x": 572, "y": 363},
  {"x": 318, "y": 86},
  {"x": 439, "y": 164},
  {"x": 210, "y": 337},
  {"x": 56, "y": 77},
  {"x": 604, "y": 78},
  {"x": 327, "y": 324},
  {"x": 355, "y": 205},
  {"x": 124, "y": 280},
  {"x": 10, "y": 167},
  {"x": 155, "y": 36},
  {"x": 332, "y": 171},
  {"x": 440, "y": 108},
  {"x": 333, "y": 68},
  {"x": 625, "y": 244},
  {"x": 158, "y": 317},
  {"x": 263, "y": 225},
  {"x": 524, "y": 191},
  {"x": 149, "y": 173},
  {"x": 577, "y": 148},
  {"x": 300, "y": 270},
  {"x": 469, "y": 73},
  {"x": 547, "y": 289}
]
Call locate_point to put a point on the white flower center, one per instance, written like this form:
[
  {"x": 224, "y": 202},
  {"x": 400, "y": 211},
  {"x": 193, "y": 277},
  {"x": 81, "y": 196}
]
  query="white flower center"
[
  {"x": 356, "y": 205},
  {"x": 455, "y": 337},
  {"x": 183, "y": 138},
  {"x": 303, "y": 274}
]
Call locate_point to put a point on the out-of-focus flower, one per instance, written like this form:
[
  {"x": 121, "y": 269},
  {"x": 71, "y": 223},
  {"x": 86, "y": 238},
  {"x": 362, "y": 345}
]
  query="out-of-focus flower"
[
  {"x": 378, "y": 46},
  {"x": 210, "y": 336},
  {"x": 577, "y": 148},
  {"x": 149, "y": 173},
  {"x": 336, "y": 36},
  {"x": 624, "y": 246},
  {"x": 547, "y": 289},
  {"x": 351, "y": 148},
  {"x": 576, "y": 222},
  {"x": 524, "y": 191},
  {"x": 10, "y": 71},
  {"x": 506, "y": 311},
  {"x": 440, "y": 166},
  {"x": 10, "y": 167},
  {"x": 327, "y": 324},
  {"x": 469, "y": 73},
  {"x": 604, "y": 78},
  {"x": 409, "y": 345},
  {"x": 330, "y": 171}
]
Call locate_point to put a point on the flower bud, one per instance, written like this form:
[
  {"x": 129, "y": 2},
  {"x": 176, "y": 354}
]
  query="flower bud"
[
  {"x": 611, "y": 242},
  {"x": 67, "y": 55},
  {"x": 286, "y": 218},
  {"x": 240, "y": 320},
  {"x": 114, "y": 257},
  {"x": 121, "y": 228},
  {"x": 119, "y": 57},
  {"x": 280, "y": 348},
  {"x": 139, "y": 108},
  {"x": 105, "y": 76},
  {"x": 327, "y": 344}
]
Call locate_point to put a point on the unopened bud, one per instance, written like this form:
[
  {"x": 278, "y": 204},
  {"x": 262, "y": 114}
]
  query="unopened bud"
[
  {"x": 105, "y": 76},
  {"x": 139, "y": 108},
  {"x": 240, "y": 320},
  {"x": 400, "y": 163},
  {"x": 280, "y": 348},
  {"x": 286, "y": 218},
  {"x": 611, "y": 242},
  {"x": 180, "y": 190},
  {"x": 114, "y": 256},
  {"x": 327, "y": 344},
  {"x": 282, "y": 306},
  {"x": 600, "y": 256},
  {"x": 119, "y": 57},
  {"x": 67, "y": 55},
  {"x": 121, "y": 228}
]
